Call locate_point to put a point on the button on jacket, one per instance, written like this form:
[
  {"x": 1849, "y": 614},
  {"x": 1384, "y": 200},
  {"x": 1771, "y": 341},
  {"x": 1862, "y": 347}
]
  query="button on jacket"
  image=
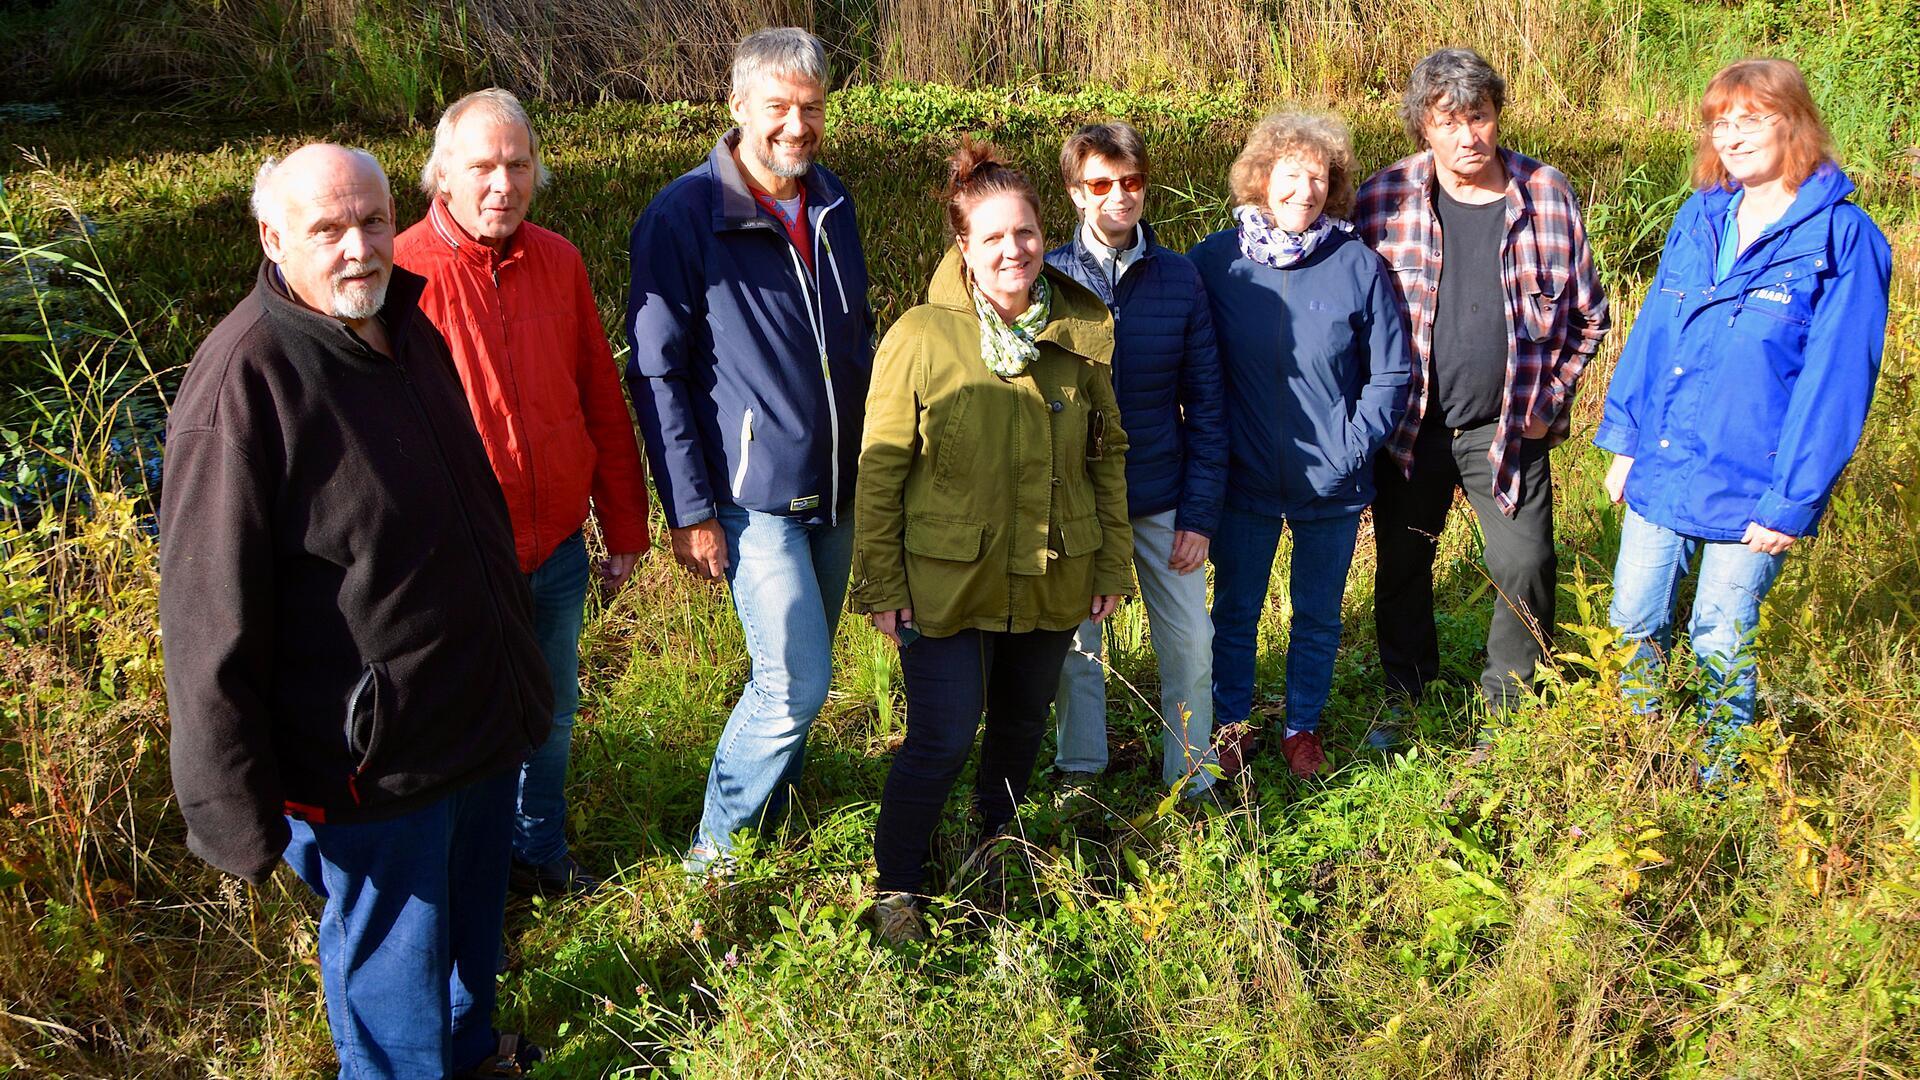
[
  {"x": 1166, "y": 376},
  {"x": 1740, "y": 400},
  {"x": 983, "y": 502},
  {"x": 532, "y": 353},
  {"x": 749, "y": 367},
  {"x": 349, "y": 636}
]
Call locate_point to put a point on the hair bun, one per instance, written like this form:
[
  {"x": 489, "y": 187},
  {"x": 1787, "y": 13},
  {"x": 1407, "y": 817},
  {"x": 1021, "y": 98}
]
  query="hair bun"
[{"x": 972, "y": 162}]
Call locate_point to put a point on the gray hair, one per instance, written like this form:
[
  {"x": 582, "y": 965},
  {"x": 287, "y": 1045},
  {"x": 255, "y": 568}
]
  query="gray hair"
[
  {"x": 267, "y": 206},
  {"x": 1452, "y": 80},
  {"x": 784, "y": 51},
  {"x": 504, "y": 108}
]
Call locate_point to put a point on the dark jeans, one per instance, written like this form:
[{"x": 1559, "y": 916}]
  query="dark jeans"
[
  {"x": 1243, "y": 551},
  {"x": 410, "y": 935},
  {"x": 950, "y": 681},
  {"x": 1408, "y": 516},
  {"x": 559, "y": 609}
]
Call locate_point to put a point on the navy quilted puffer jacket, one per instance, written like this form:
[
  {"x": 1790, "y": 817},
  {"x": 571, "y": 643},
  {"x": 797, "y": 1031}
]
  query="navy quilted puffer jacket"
[{"x": 1166, "y": 374}]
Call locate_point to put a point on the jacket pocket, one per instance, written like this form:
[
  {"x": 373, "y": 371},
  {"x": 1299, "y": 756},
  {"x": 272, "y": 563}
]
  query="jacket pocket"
[
  {"x": 363, "y": 726},
  {"x": 746, "y": 453},
  {"x": 1080, "y": 536},
  {"x": 944, "y": 538},
  {"x": 956, "y": 452}
]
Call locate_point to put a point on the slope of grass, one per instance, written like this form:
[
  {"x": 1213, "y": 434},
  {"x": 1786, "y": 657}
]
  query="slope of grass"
[{"x": 1570, "y": 906}]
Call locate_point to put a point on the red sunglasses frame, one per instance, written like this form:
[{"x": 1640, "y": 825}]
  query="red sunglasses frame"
[{"x": 1132, "y": 182}]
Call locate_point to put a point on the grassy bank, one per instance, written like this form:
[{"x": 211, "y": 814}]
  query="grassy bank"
[{"x": 1569, "y": 907}]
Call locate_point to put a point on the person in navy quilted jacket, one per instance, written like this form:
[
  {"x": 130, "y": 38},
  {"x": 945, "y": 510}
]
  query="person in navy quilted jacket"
[{"x": 1166, "y": 375}]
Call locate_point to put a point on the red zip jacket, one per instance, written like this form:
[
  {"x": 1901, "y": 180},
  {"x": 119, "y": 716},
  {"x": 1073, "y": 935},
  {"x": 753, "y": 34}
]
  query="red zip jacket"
[{"x": 533, "y": 356}]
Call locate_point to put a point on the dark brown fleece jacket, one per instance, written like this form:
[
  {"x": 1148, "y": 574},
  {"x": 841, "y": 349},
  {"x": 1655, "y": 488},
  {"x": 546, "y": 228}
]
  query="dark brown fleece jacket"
[{"x": 348, "y": 634}]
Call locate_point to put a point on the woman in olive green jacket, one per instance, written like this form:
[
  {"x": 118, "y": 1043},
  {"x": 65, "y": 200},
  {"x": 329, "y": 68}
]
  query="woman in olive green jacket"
[{"x": 991, "y": 511}]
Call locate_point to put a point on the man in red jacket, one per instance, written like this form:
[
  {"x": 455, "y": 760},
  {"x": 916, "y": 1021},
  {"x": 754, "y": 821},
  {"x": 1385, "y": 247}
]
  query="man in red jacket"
[{"x": 517, "y": 310}]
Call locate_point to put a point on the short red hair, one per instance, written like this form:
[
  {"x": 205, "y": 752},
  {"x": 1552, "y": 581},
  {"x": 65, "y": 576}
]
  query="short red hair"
[{"x": 1774, "y": 86}]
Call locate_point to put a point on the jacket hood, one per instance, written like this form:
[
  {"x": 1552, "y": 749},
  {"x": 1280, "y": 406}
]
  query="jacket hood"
[
  {"x": 1827, "y": 187},
  {"x": 1078, "y": 323}
]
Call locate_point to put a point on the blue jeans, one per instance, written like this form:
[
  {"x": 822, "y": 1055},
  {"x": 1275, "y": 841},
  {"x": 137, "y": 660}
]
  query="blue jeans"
[
  {"x": 559, "y": 606},
  {"x": 1726, "y": 611},
  {"x": 1243, "y": 551},
  {"x": 1183, "y": 646},
  {"x": 788, "y": 580},
  {"x": 410, "y": 935}
]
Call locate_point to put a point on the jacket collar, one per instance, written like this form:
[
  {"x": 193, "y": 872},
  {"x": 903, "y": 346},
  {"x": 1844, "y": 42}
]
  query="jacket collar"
[
  {"x": 1519, "y": 168},
  {"x": 735, "y": 206},
  {"x": 462, "y": 244},
  {"x": 1078, "y": 323},
  {"x": 291, "y": 316},
  {"x": 1824, "y": 189}
]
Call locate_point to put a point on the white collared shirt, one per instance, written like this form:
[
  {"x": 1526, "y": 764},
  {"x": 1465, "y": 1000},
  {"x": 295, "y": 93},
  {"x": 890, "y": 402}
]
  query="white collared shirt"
[{"x": 1113, "y": 262}]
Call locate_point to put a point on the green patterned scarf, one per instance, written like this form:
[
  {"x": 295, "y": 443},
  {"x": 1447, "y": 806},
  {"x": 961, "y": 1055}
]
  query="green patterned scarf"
[{"x": 1009, "y": 348}]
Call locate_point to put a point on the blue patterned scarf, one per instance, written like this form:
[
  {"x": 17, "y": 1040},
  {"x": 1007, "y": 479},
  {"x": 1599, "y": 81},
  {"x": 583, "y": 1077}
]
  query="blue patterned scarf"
[{"x": 1269, "y": 245}]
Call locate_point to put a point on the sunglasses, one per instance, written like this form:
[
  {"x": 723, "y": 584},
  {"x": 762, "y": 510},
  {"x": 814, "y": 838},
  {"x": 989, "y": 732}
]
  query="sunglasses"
[{"x": 1129, "y": 183}]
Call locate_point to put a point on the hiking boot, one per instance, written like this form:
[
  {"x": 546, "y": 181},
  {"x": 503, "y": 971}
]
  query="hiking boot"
[
  {"x": 896, "y": 919},
  {"x": 1389, "y": 730},
  {"x": 562, "y": 876},
  {"x": 512, "y": 1059},
  {"x": 1303, "y": 753},
  {"x": 1235, "y": 746}
]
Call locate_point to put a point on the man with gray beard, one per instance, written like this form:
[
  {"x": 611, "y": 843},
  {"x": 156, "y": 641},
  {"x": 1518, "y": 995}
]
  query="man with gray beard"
[{"x": 352, "y": 673}]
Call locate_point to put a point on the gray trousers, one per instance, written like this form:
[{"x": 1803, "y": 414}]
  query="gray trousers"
[{"x": 1182, "y": 637}]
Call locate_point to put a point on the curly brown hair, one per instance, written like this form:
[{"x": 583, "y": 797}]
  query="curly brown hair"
[{"x": 1298, "y": 136}]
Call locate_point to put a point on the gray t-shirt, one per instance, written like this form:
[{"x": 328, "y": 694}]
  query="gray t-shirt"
[{"x": 1470, "y": 317}]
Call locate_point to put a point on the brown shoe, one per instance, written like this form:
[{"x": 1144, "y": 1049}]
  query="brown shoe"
[
  {"x": 1234, "y": 745},
  {"x": 1303, "y": 753}
]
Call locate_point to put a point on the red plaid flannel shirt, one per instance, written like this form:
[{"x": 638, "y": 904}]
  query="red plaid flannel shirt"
[{"x": 1556, "y": 311}]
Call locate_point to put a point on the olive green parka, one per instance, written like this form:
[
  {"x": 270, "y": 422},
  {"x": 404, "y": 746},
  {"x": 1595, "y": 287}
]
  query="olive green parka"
[{"x": 985, "y": 502}]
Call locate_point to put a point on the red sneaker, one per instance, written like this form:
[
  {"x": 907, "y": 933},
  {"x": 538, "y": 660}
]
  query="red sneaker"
[
  {"x": 1235, "y": 744},
  {"x": 1303, "y": 753}
]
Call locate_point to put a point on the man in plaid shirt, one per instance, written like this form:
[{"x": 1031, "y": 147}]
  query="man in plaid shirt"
[{"x": 1501, "y": 337}]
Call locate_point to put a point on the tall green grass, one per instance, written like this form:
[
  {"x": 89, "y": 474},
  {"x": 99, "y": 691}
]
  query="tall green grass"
[{"x": 1569, "y": 907}]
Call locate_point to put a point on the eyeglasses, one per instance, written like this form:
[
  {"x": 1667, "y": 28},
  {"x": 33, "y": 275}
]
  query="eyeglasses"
[
  {"x": 1129, "y": 183},
  {"x": 1746, "y": 125}
]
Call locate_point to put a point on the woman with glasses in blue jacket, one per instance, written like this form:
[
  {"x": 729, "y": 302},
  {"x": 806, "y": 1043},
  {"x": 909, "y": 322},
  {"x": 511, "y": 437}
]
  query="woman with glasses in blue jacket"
[{"x": 1744, "y": 386}]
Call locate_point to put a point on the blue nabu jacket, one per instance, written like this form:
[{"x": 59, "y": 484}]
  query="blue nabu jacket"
[
  {"x": 1166, "y": 374},
  {"x": 749, "y": 369},
  {"x": 1741, "y": 400},
  {"x": 1316, "y": 360}
]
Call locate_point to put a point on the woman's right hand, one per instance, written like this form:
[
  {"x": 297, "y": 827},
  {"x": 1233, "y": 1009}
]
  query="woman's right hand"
[
  {"x": 890, "y": 622},
  {"x": 1617, "y": 477}
]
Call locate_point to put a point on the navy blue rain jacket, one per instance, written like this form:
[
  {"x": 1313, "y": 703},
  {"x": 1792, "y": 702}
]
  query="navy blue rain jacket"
[
  {"x": 1316, "y": 360},
  {"x": 1741, "y": 400},
  {"x": 1166, "y": 375},
  {"x": 749, "y": 371}
]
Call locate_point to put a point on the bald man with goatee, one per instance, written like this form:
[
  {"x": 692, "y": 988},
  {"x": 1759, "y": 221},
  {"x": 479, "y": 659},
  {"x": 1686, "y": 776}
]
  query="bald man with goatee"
[{"x": 351, "y": 666}]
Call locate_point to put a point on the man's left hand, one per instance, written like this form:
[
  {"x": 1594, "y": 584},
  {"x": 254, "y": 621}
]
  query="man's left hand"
[
  {"x": 1537, "y": 428},
  {"x": 616, "y": 568},
  {"x": 1765, "y": 541},
  {"x": 1189, "y": 551}
]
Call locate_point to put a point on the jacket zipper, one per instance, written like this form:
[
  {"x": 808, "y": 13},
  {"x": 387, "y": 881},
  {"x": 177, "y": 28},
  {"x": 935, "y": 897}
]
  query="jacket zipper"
[
  {"x": 746, "y": 448},
  {"x": 353, "y": 709},
  {"x": 810, "y": 294},
  {"x": 466, "y": 517},
  {"x": 533, "y": 471}
]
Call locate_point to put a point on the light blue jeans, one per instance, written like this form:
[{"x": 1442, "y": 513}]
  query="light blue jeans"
[
  {"x": 1733, "y": 580},
  {"x": 1182, "y": 637},
  {"x": 788, "y": 580},
  {"x": 559, "y": 607}
]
